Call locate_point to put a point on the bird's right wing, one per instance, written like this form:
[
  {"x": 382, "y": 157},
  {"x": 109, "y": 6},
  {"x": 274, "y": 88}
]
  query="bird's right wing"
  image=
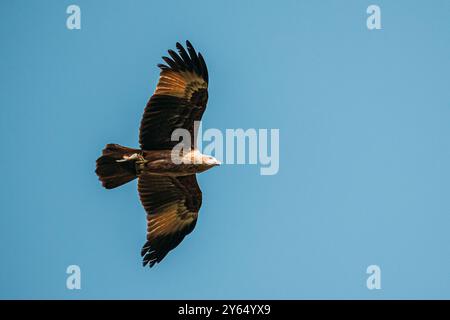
[
  {"x": 172, "y": 206},
  {"x": 179, "y": 99}
]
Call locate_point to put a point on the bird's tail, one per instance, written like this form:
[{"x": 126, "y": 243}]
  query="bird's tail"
[{"x": 113, "y": 169}]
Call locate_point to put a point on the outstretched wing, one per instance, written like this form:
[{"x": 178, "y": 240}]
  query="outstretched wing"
[
  {"x": 179, "y": 99},
  {"x": 172, "y": 206}
]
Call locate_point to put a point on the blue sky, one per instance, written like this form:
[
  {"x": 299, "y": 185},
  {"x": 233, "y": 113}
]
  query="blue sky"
[{"x": 364, "y": 149}]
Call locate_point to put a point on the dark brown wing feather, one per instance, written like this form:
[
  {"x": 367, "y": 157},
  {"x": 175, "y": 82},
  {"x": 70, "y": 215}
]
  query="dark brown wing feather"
[
  {"x": 172, "y": 206},
  {"x": 180, "y": 99}
]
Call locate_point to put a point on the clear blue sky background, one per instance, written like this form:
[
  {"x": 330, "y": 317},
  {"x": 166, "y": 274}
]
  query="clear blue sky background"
[{"x": 364, "y": 119}]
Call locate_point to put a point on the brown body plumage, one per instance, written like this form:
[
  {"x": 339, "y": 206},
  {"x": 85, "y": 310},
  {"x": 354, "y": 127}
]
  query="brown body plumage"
[{"x": 168, "y": 189}]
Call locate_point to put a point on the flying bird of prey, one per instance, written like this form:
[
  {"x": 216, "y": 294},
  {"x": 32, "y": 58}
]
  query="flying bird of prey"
[{"x": 168, "y": 189}]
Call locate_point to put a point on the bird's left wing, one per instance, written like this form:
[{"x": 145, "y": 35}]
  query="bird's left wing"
[
  {"x": 172, "y": 206},
  {"x": 179, "y": 99}
]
